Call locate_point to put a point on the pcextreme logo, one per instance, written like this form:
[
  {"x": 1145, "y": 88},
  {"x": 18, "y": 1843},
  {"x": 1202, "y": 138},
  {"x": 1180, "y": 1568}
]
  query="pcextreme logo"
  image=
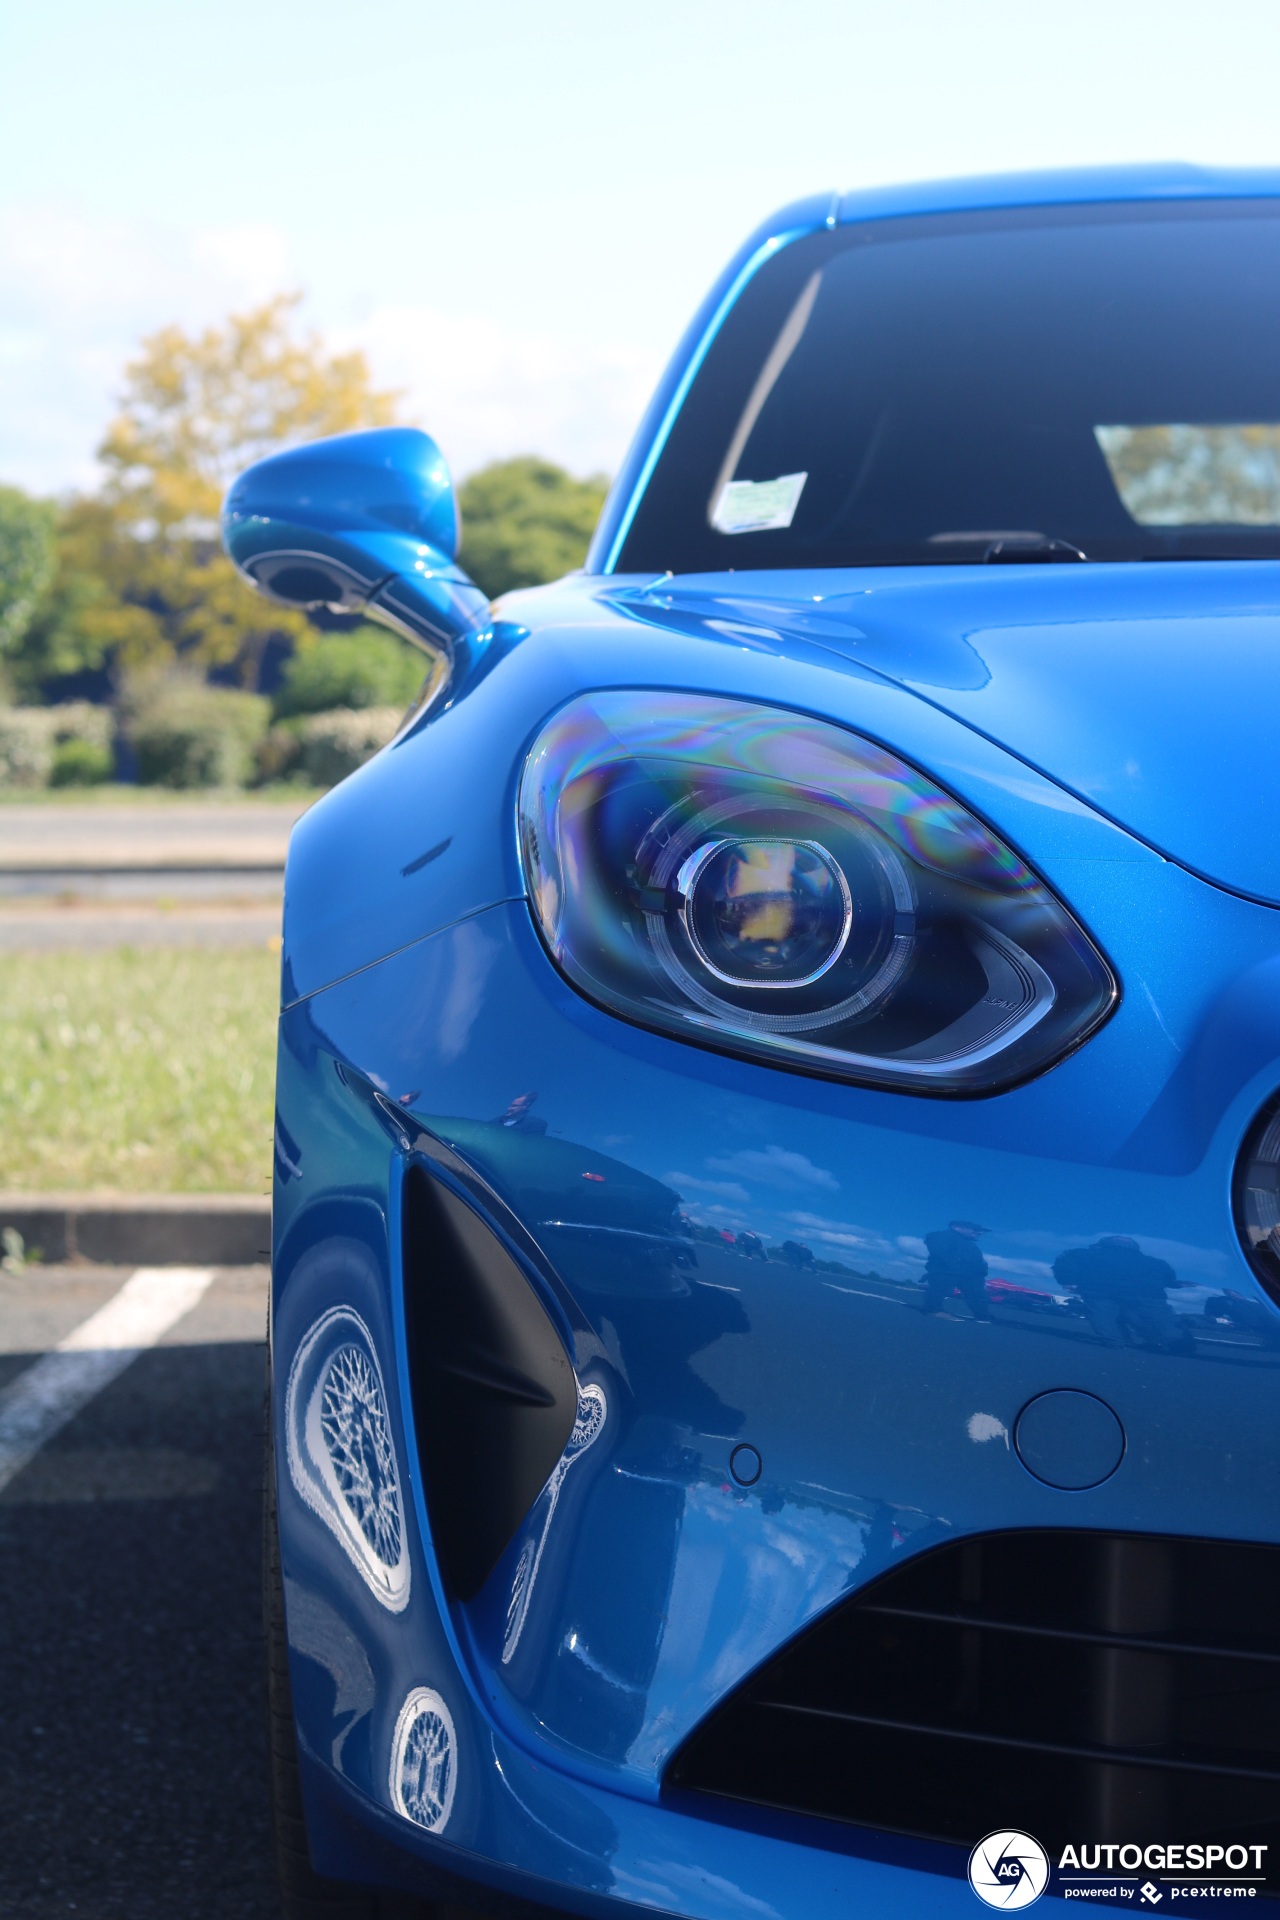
[{"x": 1008, "y": 1870}]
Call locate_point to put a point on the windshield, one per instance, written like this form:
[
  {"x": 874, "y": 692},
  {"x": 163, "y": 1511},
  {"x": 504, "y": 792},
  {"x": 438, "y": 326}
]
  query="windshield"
[{"x": 1053, "y": 384}]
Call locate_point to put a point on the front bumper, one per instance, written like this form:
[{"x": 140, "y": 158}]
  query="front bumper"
[{"x": 644, "y": 1180}]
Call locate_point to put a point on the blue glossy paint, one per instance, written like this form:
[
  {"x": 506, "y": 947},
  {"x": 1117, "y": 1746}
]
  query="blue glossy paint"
[
  {"x": 1069, "y": 1439},
  {"x": 823, "y": 1372},
  {"x": 1068, "y": 186},
  {"x": 360, "y": 484},
  {"x": 1136, "y": 687},
  {"x": 864, "y": 1412},
  {"x": 364, "y": 520},
  {"x": 734, "y": 1255}
]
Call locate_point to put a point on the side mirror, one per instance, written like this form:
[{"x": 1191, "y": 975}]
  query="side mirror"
[{"x": 363, "y": 522}]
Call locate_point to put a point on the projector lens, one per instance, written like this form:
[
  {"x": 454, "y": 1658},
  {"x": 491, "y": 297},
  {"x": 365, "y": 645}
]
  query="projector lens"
[{"x": 765, "y": 913}]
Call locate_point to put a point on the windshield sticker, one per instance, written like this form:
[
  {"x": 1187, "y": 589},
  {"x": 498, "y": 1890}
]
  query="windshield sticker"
[
  {"x": 1187, "y": 476},
  {"x": 758, "y": 506},
  {"x": 770, "y": 373}
]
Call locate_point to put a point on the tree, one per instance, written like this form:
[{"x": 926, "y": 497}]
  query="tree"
[
  {"x": 26, "y": 563},
  {"x": 142, "y": 579},
  {"x": 93, "y": 615},
  {"x": 366, "y": 667},
  {"x": 525, "y": 521},
  {"x": 197, "y": 410}
]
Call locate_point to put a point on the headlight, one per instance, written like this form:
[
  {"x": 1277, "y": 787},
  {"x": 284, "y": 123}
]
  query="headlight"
[
  {"x": 1257, "y": 1198},
  {"x": 773, "y": 886}
]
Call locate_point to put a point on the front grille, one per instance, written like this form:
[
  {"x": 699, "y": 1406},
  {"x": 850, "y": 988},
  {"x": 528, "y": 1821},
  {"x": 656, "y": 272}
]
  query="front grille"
[{"x": 1104, "y": 1687}]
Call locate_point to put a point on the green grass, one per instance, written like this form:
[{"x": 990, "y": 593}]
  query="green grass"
[{"x": 143, "y": 1070}]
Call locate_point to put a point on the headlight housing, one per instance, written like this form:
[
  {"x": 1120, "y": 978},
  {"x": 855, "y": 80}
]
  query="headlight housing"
[
  {"x": 1257, "y": 1197},
  {"x": 773, "y": 886}
]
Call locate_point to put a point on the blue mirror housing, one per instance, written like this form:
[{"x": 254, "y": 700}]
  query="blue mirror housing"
[{"x": 363, "y": 522}]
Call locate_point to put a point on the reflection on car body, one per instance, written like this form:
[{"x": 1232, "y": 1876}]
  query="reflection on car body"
[{"x": 1019, "y": 1293}]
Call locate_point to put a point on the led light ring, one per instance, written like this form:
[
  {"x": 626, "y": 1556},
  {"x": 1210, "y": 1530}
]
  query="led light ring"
[
  {"x": 1039, "y": 997},
  {"x": 682, "y": 842},
  {"x": 746, "y": 1018},
  {"x": 669, "y": 863},
  {"x": 687, "y": 880}
]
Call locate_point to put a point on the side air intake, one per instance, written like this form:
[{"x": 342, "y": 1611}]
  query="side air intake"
[
  {"x": 1069, "y": 1684},
  {"x": 494, "y": 1393}
]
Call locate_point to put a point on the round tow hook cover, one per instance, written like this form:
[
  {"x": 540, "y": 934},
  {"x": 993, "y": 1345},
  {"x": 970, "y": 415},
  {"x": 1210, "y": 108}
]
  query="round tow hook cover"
[{"x": 1069, "y": 1439}]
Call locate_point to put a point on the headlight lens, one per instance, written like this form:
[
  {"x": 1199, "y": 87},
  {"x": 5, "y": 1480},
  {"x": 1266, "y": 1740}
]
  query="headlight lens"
[
  {"x": 764, "y": 913},
  {"x": 774, "y": 886},
  {"x": 1257, "y": 1198}
]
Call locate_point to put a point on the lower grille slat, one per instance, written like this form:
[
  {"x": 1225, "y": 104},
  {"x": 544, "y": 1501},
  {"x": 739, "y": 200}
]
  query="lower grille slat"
[
  {"x": 1097, "y": 1754},
  {"x": 1079, "y": 1685},
  {"x": 1146, "y": 1645}
]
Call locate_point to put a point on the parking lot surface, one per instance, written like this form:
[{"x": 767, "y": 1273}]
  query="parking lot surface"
[{"x": 132, "y": 1765}]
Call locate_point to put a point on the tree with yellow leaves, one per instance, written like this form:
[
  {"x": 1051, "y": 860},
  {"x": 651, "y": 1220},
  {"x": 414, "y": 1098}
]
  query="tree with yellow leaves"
[{"x": 142, "y": 581}]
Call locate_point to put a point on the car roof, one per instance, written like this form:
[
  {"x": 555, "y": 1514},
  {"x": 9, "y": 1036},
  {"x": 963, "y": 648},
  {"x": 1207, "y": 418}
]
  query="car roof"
[{"x": 1074, "y": 186}]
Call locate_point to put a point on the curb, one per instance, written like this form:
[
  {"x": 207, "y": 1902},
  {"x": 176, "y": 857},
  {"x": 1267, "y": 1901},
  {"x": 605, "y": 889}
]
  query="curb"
[{"x": 136, "y": 1230}]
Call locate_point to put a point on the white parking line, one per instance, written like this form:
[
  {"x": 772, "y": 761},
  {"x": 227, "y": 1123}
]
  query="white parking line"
[{"x": 54, "y": 1388}]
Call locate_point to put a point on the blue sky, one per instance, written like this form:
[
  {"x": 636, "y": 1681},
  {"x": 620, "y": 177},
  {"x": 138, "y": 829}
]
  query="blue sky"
[{"x": 514, "y": 208}]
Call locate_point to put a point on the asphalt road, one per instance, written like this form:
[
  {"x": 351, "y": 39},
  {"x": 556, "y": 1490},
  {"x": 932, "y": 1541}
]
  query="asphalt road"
[
  {"x": 147, "y": 871},
  {"x": 132, "y": 1754},
  {"x": 200, "y": 832}
]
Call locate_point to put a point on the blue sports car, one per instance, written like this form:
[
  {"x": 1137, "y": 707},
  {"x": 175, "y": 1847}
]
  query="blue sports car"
[{"x": 774, "y": 1348}]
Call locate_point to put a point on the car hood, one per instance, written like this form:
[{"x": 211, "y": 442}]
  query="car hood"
[{"x": 1150, "y": 691}]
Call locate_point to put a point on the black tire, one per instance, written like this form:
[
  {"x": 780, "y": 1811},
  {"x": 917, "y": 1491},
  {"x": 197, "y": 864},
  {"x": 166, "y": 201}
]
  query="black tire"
[{"x": 304, "y": 1894}]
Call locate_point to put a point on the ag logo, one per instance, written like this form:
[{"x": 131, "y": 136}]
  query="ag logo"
[{"x": 1008, "y": 1870}]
